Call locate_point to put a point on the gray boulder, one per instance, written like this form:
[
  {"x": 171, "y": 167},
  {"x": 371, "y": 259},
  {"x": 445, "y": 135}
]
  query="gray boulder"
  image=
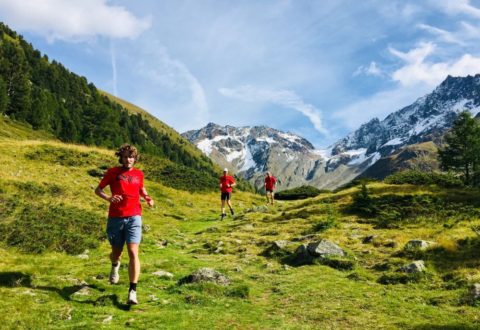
[
  {"x": 206, "y": 275},
  {"x": 417, "y": 266},
  {"x": 324, "y": 249},
  {"x": 474, "y": 292},
  {"x": 276, "y": 249},
  {"x": 418, "y": 244}
]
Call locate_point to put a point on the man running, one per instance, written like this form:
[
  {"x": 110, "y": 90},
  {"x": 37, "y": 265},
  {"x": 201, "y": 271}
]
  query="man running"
[
  {"x": 270, "y": 183},
  {"x": 226, "y": 184},
  {"x": 125, "y": 214}
]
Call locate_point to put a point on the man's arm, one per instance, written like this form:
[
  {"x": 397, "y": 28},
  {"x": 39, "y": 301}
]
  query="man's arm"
[
  {"x": 146, "y": 197},
  {"x": 112, "y": 199}
]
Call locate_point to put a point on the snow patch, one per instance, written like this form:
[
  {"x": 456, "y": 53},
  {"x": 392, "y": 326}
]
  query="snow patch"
[
  {"x": 248, "y": 161},
  {"x": 393, "y": 142}
]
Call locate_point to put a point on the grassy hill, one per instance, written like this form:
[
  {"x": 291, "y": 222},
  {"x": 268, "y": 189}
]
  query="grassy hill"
[{"x": 50, "y": 216}]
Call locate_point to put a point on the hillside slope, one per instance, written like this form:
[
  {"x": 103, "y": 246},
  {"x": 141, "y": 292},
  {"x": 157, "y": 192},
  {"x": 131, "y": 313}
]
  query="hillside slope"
[
  {"x": 49, "y": 97},
  {"x": 54, "y": 266}
]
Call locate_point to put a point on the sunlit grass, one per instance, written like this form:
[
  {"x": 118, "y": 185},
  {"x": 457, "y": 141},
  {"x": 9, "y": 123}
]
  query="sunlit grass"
[{"x": 185, "y": 233}]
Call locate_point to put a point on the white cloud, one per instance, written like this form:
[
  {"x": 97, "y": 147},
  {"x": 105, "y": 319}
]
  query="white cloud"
[
  {"x": 371, "y": 70},
  {"x": 453, "y": 7},
  {"x": 284, "y": 98},
  {"x": 72, "y": 20},
  {"x": 417, "y": 70}
]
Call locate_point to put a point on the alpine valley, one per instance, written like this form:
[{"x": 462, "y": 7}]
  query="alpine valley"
[{"x": 405, "y": 139}]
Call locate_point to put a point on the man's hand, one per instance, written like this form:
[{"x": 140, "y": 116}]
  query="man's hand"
[
  {"x": 150, "y": 202},
  {"x": 115, "y": 199}
]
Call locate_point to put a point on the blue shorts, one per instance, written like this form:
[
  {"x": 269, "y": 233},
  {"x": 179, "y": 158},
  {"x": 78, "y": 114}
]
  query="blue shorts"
[{"x": 124, "y": 230}]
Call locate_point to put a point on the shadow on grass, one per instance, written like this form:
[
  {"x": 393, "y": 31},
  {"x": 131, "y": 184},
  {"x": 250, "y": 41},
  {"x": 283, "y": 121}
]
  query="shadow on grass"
[{"x": 19, "y": 279}]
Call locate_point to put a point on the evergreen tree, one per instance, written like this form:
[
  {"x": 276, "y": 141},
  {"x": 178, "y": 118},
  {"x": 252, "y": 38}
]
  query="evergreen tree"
[
  {"x": 462, "y": 151},
  {"x": 3, "y": 96}
]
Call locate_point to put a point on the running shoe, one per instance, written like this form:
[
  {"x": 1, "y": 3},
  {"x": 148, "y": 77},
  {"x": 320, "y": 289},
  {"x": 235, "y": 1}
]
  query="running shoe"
[
  {"x": 114, "y": 276},
  {"x": 132, "y": 298}
]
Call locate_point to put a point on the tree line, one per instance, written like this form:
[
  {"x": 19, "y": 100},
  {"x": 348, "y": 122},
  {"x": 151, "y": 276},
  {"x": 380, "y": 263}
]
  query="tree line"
[{"x": 49, "y": 97}]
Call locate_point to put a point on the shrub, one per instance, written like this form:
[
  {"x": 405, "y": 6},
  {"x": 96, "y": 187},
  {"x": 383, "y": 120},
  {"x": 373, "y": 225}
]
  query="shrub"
[
  {"x": 299, "y": 193},
  {"x": 416, "y": 177},
  {"x": 362, "y": 202}
]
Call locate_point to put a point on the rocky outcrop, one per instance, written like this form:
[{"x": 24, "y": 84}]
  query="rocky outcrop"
[{"x": 206, "y": 275}]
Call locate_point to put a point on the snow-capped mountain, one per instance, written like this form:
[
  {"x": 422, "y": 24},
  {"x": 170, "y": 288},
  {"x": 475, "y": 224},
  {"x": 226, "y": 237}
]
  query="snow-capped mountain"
[
  {"x": 250, "y": 151},
  {"x": 426, "y": 119}
]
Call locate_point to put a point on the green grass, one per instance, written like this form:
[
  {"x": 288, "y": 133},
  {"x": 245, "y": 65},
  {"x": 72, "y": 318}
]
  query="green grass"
[{"x": 44, "y": 195}]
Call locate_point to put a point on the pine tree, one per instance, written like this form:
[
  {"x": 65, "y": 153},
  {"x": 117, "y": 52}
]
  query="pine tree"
[{"x": 462, "y": 151}]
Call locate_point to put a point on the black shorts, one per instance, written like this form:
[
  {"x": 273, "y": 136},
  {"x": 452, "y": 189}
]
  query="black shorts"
[
  {"x": 269, "y": 191},
  {"x": 226, "y": 196}
]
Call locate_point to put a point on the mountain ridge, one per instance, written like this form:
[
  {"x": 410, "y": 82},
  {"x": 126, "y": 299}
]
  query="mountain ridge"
[{"x": 426, "y": 119}]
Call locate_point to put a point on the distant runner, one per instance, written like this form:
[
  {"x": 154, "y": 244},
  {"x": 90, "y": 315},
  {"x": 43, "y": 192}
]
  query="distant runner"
[
  {"x": 226, "y": 184},
  {"x": 270, "y": 183},
  {"x": 125, "y": 214}
]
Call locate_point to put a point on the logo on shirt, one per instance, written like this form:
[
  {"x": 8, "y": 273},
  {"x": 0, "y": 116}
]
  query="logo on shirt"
[{"x": 127, "y": 178}]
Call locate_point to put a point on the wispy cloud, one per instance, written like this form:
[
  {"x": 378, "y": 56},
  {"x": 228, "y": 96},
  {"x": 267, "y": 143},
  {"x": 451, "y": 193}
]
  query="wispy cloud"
[
  {"x": 114, "y": 68},
  {"x": 72, "y": 20},
  {"x": 165, "y": 72},
  {"x": 285, "y": 98},
  {"x": 371, "y": 70},
  {"x": 443, "y": 35}
]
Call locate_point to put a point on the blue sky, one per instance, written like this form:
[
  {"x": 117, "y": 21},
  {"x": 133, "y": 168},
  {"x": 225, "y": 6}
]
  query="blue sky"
[{"x": 316, "y": 68}]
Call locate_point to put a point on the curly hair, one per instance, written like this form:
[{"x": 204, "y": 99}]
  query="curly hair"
[{"x": 127, "y": 148}]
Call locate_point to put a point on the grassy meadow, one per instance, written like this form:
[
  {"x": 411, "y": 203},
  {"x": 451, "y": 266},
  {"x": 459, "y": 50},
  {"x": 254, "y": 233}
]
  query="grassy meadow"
[{"x": 54, "y": 266}]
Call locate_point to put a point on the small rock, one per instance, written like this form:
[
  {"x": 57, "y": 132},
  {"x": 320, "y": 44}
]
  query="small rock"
[
  {"x": 276, "y": 248},
  {"x": 418, "y": 244},
  {"x": 146, "y": 228},
  {"x": 83, "y": 291},
  {"x": 238, "y": 269},
  {"x": 153, "y": 297},
  {"x": 206, "y": 275},
  {"x": 286, "y": 267},
  {"x": 163, "y": 274},
  {"x": 248, "y": 227},
  {"x": 162, "y": 244},
  {"x": 415, "y": 267},
  {"x": 83, "y": 255},
  {"x": 475, "y": 291},
  {"x": 108, "y": 319}
]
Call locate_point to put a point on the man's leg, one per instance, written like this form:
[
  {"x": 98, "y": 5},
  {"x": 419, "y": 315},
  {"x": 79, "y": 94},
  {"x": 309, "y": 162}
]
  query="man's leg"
[
  {"x": 115, "y": 256},
  {"x": 272, "y": 194},
  {"x": 229, "y": 203},
  {"x": 223, "y": 208},
  {"x": 134, "y": 262}
]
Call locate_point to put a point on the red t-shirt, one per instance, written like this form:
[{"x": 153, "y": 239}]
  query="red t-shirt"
[
  {"x": 127, "y": 183},
  {"x": 270, "y": 182},
  {"x": 226, "y": 180}
]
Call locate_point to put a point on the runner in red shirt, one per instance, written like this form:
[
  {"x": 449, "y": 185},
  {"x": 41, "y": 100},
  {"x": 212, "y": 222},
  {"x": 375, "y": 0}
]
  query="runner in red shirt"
[
  {"x": 226, "y": 184},
  {"x": 125, "y": 214},
  {"x": 270, "y": 183}
]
